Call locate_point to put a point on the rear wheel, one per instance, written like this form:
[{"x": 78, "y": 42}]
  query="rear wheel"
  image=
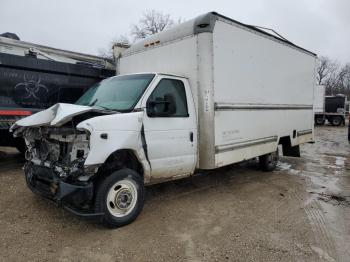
[
  {"x": 120, "y": 196},
  {"x": 336, "y": 121},
  {"x": 269, "y": 162},
  {"x": 319, "y": 120}
]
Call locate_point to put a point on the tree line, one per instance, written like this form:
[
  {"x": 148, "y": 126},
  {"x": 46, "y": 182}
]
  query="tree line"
[{"x": 334, "y": 76}]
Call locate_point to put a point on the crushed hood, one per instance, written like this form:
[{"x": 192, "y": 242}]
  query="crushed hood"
[{"x": 56, "y": 115}]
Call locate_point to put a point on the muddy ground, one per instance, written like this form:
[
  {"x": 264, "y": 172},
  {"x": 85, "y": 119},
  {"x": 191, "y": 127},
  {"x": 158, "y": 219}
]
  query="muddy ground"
[{"x": 300, "y": 212}]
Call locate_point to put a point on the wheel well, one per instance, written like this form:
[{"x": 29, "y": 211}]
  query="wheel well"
[{"x": 119, "y": 159}]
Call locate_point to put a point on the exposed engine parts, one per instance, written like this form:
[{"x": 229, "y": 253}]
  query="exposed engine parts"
[{"x": 64, "y": 150}]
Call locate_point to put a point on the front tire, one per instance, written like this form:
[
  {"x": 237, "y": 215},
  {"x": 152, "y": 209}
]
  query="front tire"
[
  {"x": 269, "y": 162},
  {"x": 120, "y": 196}
]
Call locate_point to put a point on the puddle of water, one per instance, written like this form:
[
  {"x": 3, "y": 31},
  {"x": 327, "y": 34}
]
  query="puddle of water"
[
  {"x": 323, "y": 176},
  {"x": 329, "y": 183}
]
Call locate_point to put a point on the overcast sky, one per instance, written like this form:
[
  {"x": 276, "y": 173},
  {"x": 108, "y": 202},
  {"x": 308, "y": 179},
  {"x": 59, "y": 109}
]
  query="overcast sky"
[{"x": 322, "y": 26}]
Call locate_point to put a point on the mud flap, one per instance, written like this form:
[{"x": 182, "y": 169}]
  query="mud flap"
[{"x": 291, "y": 150}]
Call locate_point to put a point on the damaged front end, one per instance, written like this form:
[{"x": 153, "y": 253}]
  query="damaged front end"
[
  {"x": 56, "y": 153},
  {"x": 55, "y": 166}
]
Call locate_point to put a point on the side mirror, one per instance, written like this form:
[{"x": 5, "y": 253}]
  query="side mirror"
[{"x": 161, "y": 107}]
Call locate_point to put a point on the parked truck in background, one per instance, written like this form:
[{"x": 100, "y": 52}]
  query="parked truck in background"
[
  {"x": 35, "y": 77},
  {"x": 330, "y": 108},
  {"x": 319, "y": 104},
  {"x": 335, "y": 109},
  {"x": 207, "y": 93}
]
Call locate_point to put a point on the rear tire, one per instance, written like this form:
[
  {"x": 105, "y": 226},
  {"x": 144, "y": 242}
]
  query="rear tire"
[
  {"x": 269, "y": 162},
  {"x": 336, "y": 121},
  {"x": 120, "y": 196},
  {"x": 319, "y": 120}
]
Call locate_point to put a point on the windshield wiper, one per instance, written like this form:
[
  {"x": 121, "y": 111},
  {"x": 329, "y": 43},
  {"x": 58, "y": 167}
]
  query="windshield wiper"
[
  {"x": 106, "y": 108},
  {"x": 93, "y": 102},
  {"x": 103, "y": 107}
]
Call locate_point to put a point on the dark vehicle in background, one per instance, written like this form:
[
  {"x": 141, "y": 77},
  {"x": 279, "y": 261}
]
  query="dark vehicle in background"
[
  {"x": 330, "y": 108},
  {"x": 335, "y": 109},
  {"x": 35, "y": 77}
]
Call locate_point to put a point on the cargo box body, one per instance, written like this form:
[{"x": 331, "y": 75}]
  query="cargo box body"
[
  {"x": 251, "y": 89},
  {"x": 319, "y": 99}
]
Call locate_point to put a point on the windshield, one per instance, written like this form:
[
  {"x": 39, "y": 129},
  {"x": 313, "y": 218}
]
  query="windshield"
[{"x": 119, "y": 93}]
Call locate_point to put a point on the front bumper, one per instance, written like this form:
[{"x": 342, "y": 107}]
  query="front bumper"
[{"x": 74, "y": 197}]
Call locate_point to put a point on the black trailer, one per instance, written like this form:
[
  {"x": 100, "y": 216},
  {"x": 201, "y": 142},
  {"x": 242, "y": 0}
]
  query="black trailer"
[{"x": 36, "y": 80}]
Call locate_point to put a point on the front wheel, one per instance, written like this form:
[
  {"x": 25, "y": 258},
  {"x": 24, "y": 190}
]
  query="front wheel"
[
  {"x": 120, "y": 196},
  {"x": 269, "y": 162}
]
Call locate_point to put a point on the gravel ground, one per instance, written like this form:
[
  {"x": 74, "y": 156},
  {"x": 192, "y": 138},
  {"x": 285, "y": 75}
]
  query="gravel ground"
[{"x": 300, "y": 212}]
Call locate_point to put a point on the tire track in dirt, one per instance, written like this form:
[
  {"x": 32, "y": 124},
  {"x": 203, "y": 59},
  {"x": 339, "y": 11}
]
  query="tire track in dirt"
[
  {"x": 326, "y": 248},
  {"x": 321, "y": 232}
]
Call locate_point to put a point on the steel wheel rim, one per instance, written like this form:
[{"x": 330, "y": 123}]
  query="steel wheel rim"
[
  {"x": 121, "y": 198},
  {"x": 272, "y": 158}
]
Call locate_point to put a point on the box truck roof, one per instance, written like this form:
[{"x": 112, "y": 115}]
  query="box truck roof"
[{"x": 201, "y": 24}]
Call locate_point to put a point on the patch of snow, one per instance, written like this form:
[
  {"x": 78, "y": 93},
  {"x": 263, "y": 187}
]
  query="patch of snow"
[
  {"x": 287, "y": 167},
  {"x": 284, "y": 166},
  {"x": 339, "y": 161}
]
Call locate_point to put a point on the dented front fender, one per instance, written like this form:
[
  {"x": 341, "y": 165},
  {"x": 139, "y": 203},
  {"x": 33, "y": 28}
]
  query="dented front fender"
[{"x": 110, "y": 133}]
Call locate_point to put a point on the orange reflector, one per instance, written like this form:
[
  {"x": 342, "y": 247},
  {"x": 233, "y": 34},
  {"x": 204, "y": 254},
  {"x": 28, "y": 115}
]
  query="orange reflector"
[{"x": 15, "y": 113}]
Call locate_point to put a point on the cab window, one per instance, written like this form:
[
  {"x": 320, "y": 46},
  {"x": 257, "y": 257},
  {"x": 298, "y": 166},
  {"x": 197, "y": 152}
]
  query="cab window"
[{"x": 168, "y": 99}]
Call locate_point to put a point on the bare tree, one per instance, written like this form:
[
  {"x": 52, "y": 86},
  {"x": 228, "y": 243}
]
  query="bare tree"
[
  {"x": 151, "y": 23},
  {"x": 332, "y": 83},
  {"x": 337, "y": 79},
  {"x": 326, "y": 68},
  {"x": 343, "y": 80},
  {"x": 346, "y": 79}
]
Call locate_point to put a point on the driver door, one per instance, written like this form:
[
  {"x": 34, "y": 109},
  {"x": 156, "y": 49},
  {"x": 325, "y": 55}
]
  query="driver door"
[{"x": 170, "y": 128}]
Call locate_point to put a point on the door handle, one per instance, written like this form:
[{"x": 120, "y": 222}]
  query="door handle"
[{"x": 191, "y": 136}]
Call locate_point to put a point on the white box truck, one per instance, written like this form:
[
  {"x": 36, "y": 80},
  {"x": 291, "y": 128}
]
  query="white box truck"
[{"x": 207, "y": 93}]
